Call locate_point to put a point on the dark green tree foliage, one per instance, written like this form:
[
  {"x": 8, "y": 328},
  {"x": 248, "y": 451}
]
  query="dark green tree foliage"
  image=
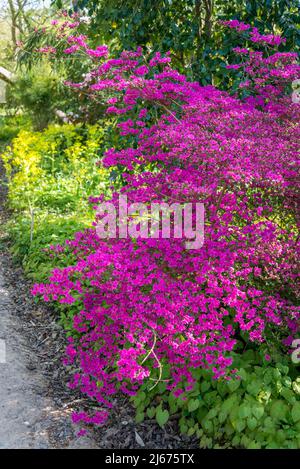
[{"x": 189, "y": 28}]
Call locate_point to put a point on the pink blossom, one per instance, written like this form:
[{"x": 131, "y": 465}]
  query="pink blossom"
[{"x": 151, "y": 303}]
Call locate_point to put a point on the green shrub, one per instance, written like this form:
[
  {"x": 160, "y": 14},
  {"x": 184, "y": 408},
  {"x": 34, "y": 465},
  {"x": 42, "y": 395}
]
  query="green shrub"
[
  {"x": 10, "y": 126},
  {"x": 259, "y": 409},
  {"x": 36, "y": 91},
  {"x": 51, "y": 175}
]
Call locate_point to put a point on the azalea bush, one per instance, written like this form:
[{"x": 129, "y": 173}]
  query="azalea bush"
[{"x": 149, "y": 311}]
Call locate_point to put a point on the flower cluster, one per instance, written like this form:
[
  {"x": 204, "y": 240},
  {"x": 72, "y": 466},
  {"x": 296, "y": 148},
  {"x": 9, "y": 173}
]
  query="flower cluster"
[
  {"x": 254, "y": 35},
  {"x": 267, "y": 78}
]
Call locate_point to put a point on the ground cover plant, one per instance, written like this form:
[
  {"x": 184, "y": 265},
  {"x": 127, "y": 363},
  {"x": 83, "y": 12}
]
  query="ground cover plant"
[
  {"x": 152, "y": 314},
  {"x": 202, "y": 335}
]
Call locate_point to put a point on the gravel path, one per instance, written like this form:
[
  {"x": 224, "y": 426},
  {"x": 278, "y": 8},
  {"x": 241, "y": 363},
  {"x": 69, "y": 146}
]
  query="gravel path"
[
  {"x": 21, "y": 409},
  {"x": 29, "y": 418}
]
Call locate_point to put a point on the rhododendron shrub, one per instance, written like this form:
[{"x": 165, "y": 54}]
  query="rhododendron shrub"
[{"x": 150, "y": 309}]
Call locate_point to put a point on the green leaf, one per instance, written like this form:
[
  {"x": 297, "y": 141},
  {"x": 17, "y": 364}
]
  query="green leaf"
[
  {"x": 139, "y": 417},
  {"x": 269, "y": 424},
  {"x": 254, "y": 445},
  {"x": 236, "y": 440},
  {"x": 205, "y": 386},
  {"x": 162, "y": 416},
  {"x": 228, "y": 404},
  {"x": 281, "y": 436},
  {"x": 191, "y": 431},
  {"x": 207, "y": 425},
  {"x": 249, "y": 356},
  {"x": 244, "y": 411},
  {"x": 272, "y": 445},
  {"x": 254, "y": 387},
  {"x": 233, "y": 384},
  {"x": 240, "y": 425},
  {"x": 151, "y": 411},
  {"x": 278, "y": 409},
  {"x": 288, "y": 395},
  {"x": 183, "y": 428},
  {"x": 243, "y": 374},
  {"x": 258, "y": 411},
  {"x": 212, "y": 413},
  {"x": 193, "y": 405},
  {"x": 251, "y": 423},
  {"x": 222, "y": 416},
  {"x": 222, "y": 389},
  {"x": 245, "y": 441}
]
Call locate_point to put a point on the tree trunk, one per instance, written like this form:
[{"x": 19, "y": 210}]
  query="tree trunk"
[
  {"x": 209, "y": 8},
  {"x": 14, "y": 25}
]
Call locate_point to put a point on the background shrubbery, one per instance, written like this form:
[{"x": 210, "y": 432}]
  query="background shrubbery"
[
  {"x": 51, "y": 173},
  {"x": 36, "y": 91},
  {"x": 260, "y": 409}
]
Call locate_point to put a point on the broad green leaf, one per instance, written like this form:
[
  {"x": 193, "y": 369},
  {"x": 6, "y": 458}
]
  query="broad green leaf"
[
  {"x": 258, "y": 410},
  {"x": 240, "y": 425},
  {"x": 278, "y": 409},
  {"x": 205, "y": 386},
  {"x": 139, "y": 417},
  {"x": 254, "y": 388},
  {"x": 151, "y": 411},
  {"x": 251, "y": 423},
  {"x": 228, "y": 404},
  {"x": 222, "y": 416},
  {"x": 254, "y": 445},
  {"x": 162, "y": 416},
  {"x": 288, "y": 395},
  {"x": 233, "y": 384},
  {"x": 244, "y": 411}
]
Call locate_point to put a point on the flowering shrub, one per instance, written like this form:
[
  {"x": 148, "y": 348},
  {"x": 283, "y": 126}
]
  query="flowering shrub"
[
  {"x": 34, "y": 91},
  {"x": 150, "y": 311}
]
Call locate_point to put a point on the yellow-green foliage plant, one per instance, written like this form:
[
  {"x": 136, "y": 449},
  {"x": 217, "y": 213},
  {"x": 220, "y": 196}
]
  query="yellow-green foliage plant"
[{"x": 51, "y": 175}]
